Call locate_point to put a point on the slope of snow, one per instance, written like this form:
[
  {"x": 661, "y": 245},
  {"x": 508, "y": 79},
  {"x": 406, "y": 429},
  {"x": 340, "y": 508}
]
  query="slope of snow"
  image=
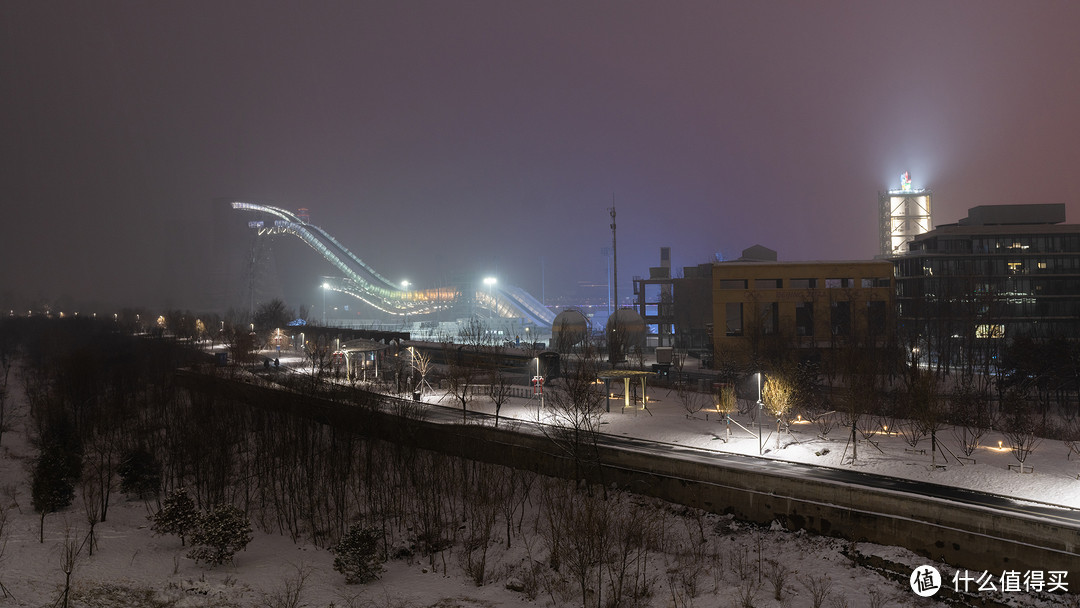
[{"x": 133, "y": 567}]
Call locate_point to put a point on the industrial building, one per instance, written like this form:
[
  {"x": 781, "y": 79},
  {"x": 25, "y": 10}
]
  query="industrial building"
[
  {"x": 759, "y": 302},
  {"x": 677, "y": 310}
]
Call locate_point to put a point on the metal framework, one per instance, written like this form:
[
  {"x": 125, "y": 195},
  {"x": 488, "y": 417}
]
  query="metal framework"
[
  {"x": 904, "y": 214},
  {"x": 362, "y": 282}
]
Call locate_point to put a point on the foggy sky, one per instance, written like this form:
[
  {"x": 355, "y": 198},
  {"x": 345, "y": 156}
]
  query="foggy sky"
[{"x": 442, "y": 138}]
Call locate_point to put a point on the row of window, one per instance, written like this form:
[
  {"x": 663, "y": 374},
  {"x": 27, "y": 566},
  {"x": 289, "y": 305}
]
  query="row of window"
[
  {"x": 999, "y": 266},
  {"x": 767, "y": 319},
  {"x": 835, "y": 283},
  {"x": 1010, "y": 306},
  {"x": 988, "y": 288},
  {"x": 1028, "y": 243}
]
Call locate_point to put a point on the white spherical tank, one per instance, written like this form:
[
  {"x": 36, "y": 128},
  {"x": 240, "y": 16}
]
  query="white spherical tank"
[
  {"x": 569, "y": 328},
  {"x": 627, "y": 328}
]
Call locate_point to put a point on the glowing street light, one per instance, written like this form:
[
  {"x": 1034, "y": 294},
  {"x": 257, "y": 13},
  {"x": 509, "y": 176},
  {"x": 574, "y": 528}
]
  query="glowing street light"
[
  {"x": 405, "y": 286},
  {"x": 761, "y": 414},
  {"x": 490, "y": 282},
  {"x": 538, "y": 385},
  {"x": 325, "y": 288}
]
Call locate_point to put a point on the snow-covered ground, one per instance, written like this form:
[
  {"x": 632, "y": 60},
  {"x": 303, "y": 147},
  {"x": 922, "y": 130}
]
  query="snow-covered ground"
[
  {"x": 134, "y": 567},
  {"x": 1053, "y": 479}
]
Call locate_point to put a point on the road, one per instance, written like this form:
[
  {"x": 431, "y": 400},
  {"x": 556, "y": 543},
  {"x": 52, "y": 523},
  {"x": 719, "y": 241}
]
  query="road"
[{"x": 995, "y": 502}]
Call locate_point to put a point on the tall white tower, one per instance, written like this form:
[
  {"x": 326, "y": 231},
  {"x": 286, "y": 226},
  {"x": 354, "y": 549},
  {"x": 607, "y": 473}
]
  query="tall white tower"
[{"x": 904, "y": 214}]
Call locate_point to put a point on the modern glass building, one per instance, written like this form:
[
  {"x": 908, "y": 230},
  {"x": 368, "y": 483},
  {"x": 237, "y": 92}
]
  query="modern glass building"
[{"x": 1003, "y": 272}]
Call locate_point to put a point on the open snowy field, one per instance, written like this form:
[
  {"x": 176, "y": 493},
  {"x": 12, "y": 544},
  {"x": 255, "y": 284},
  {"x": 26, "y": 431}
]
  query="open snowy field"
[{"x": 707, "y": 560}]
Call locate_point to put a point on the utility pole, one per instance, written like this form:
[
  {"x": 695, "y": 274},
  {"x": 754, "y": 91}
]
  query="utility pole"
[
  {"x": 613, "y": 320},
  {"x": 614, "y": 256}
]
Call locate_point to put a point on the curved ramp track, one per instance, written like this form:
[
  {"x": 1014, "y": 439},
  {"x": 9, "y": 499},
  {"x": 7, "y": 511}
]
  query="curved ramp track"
[{"x": 365, "y": 284}]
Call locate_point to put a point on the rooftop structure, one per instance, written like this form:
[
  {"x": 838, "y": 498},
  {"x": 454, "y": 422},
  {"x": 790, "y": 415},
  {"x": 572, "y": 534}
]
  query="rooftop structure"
[{"x": 904, "y": 213}]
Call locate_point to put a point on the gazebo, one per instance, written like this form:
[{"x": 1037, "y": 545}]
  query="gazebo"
[
  {"x": 625, "y": 375},
  {"x": 360, "y": 356}
]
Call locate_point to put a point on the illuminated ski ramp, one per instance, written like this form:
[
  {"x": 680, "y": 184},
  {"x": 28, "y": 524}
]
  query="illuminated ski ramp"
[{"x": 364, "y": 283}]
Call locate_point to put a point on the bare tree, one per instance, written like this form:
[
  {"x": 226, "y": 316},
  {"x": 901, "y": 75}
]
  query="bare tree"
[
  {"x": 289, "y": 594},
  {"x": 777, "y": 574},
  {"x": 927, "y": 407},
  {"x": 53, "y": 481},
  {"x": 861, "y": 392},
  {"x": 270, "y": 316},
  {"x": 819, "y": 588},
  {"x": 3, "y": 545},
  {"x": 319, "y": 351},
  {"x": 461, "y": 376},
  {"x": 901, "y": 418},
  {"x": 517, "y": 487},
  {"x": 971, "y": 416},
  {"x": 69, "y": 557},
  {"x": 633, "y": 530},
  {"x": 573, "y": 410},
  {"x": 1020, "y": 425},
  {"x": 481, "y": 511},
  {"x": 692, "y": 401},
  {"x": 91, "y": 503},
  {"x": 777, "y": 394},
  {"x": 242, "y": 346},
  {"x": 726, "y": 404},
  {"x": 475, "y": 334},
  {"x": 583, "y": 527},
  {"x": 499, "y": 388},
  {"x": 421, "y": 364}
]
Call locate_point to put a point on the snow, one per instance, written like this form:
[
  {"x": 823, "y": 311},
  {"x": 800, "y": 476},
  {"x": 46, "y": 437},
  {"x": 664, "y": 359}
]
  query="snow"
[
  {"x": 134, "y": 567},
  {"x": 1054, "y": 480}
]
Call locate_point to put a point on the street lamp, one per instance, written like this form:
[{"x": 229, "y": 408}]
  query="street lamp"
[
  {"x": 405, "y": 287},
  {"x": 490, "y": 283},
  {"x": 760, "y": 414},
  {"x": 325, "y": 288},
  {"x": 538, "y": 385}
]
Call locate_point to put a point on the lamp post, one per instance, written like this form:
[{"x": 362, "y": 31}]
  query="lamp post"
[
  {"x": 414, "y": 390},
  {"x": 490, "y": 283},
  {"x": 761, "y": 412},
  {"x": 538, "y": 386},
  {"x": 325, "y": 287},
  {"x": 405, "y": 287}
]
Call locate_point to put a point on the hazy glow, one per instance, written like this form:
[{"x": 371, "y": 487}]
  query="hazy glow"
[{"x": 463, "y": 137}]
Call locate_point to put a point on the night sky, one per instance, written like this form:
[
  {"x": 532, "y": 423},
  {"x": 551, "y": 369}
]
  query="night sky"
[{"x": 457, "y": 138}]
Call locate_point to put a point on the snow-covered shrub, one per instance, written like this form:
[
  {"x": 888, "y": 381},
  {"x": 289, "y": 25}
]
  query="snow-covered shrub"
[
  {"x": 177, "y": 515},
  {"x": 357, "y": 555},
  {"x": 219, "y": 534}
]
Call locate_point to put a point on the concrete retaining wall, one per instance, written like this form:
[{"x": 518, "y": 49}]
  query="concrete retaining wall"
[{"x": 962, "y": 536}]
